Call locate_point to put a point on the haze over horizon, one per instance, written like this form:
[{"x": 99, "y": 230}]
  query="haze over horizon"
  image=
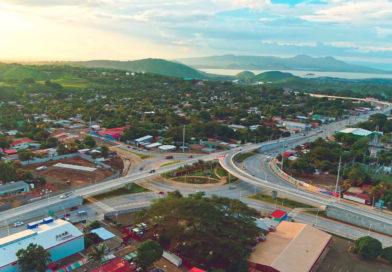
[{"x": 356, "y": 31}]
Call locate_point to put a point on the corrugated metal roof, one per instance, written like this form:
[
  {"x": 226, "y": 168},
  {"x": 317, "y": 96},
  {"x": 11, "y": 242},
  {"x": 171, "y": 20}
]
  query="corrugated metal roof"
[
  {"x": 13, "y": 186},
  {"x": 47, "y": 235}
]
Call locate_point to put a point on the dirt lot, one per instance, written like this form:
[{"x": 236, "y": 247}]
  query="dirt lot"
[
  {"x": 62, "y": 178},
  {"x": 326, "y": 181}
]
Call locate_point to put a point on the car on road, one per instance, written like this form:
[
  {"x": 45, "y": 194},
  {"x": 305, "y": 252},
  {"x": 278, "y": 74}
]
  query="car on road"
[
  {"x": 190, "y": 156},
  {"x": 63, "y": 196},
  {"x": 141, "y": 168},
  {"x": 152, "y": 171},
  {"x": 161, "y": 192},
  {"x": 74, "y": 208},
  {"x": 18, "y": 224},
  {"x": 231, "y": 187}
]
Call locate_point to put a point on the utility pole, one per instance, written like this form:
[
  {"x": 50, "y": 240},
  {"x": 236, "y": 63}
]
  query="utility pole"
[
  {"x": 183, "y": 139},
  {"x": 282, "y": 155},
  {"x": 337, "y": 178}
]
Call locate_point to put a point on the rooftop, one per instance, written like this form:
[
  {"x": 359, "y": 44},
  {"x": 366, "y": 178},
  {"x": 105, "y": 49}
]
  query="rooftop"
[
  {"x": 13, "y": 186},
  {"x": 356, "y": 131},
  {"x": 293, "y": 247},
  {"x": 47, "y": 235}
]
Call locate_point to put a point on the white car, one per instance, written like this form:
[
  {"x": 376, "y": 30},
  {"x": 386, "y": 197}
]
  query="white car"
[
  {"x": 63, "y": 196},
  {"x": 18, "y": 224}
]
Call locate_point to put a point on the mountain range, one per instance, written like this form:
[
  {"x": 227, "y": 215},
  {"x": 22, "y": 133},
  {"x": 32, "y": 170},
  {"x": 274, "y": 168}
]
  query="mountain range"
[{"x": 300, "y": 62}]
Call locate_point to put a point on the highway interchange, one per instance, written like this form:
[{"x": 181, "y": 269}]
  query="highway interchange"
[{"x": 256, "y": 177}]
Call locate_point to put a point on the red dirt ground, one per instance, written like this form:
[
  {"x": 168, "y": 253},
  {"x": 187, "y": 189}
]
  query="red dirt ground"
[{"x": 62, "y": 178}]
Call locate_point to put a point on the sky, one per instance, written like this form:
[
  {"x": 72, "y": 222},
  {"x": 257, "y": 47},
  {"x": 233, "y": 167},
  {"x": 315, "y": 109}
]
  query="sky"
[{"x": 352, "y": 30}]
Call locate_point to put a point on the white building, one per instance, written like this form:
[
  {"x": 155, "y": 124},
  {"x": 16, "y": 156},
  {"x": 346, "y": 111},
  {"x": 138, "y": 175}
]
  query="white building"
[
  {"x": 58, "y": 237},
  {"x": 296, "y": 125}
]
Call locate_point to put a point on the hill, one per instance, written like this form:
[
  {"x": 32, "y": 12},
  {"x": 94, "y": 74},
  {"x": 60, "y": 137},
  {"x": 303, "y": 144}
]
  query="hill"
[
  {"x": 300, "y": 62},
  {"x": 272, "y": 76},
  {"x": 155, "y": 66}
]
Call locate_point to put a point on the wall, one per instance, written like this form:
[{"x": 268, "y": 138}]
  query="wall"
[
  {"x": 54, "y": 158},
  {"x": 359, "y": 220},
  {"x": 67, "y": 249},
  {"x": 23, "y": 216}
]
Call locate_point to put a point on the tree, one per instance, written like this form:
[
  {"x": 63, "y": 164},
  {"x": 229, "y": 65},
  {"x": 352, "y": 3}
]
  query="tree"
[
  {"x": 96, "y": 254},
  {"x": 89, "y": 141},
  {"x": 34, "y": 257},
  {"x": 203, "y": 229},
  {"x": 104, "y": 150},
  {"x": 386, "y": 254},
  {"x": 148, "y": 252},
  {"x": 61, "y": 149},
  {"x": 367, "y": 247},
  {"x": 25, "y": 154}
]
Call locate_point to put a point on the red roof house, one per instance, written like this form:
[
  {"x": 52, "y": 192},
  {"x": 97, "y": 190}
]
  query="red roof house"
[{"x": 279, "y": 215}]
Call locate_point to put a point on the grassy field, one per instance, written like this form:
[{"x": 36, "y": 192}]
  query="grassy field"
[
  {"x": 287, "y": 203},
  {"x": 243, "y": 156},
  {"x": 141, "y": 156},
  {"x": 169, "y": 163},
  {"x": 221, "y": 172},
  {"x": 121, "y": 191}
]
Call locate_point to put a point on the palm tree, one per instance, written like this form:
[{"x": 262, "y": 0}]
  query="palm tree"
[{"x": 96, "y": 254}]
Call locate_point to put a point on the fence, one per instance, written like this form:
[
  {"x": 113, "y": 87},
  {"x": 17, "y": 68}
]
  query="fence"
[{"x": 54, "y": 158}]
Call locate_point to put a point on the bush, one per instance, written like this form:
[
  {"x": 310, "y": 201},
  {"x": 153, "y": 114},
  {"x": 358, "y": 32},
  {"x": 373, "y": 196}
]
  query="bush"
[
  {"x": 367, "y": 247},
  {"x": 91, "y": 239},
  {"x": 386, "y": 254}
]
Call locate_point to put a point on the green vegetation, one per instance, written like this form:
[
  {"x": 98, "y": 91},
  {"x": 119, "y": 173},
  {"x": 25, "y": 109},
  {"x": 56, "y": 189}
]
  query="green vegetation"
[
  {"x": 169, "y": 163},
  {"x": 140, "y": 155},
  {"x": 221, "y": 172},
  {"x": 97, "y": 254},
  {"x": 243, "y": 156},
  {"x": 148, "y": 252},
  {"x": 287, "y": 203},
  {"x": 121, "y": 191},
  {"x": 154, "y": 66},
  {"x": 33, "y": 258},
  {"x": 203, "y": 235},
  {"x": 367, "y": 247},
  {"x": 386, "y": 254}
]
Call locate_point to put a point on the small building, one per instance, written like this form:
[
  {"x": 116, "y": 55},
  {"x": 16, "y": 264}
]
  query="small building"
[
  {"x": 145, "y": 139},
  {"x": 24, "y": 144},
  {"x": 360, "y": 132},
  {"x": 14, "y": 188},
  {"x": 279, "y": 215},
  {"x": 58, "y": 237},
  {"x": 297, "y": 125},
  {"x": 293, "y": 247},
  {"x": 167, "y": 148}
]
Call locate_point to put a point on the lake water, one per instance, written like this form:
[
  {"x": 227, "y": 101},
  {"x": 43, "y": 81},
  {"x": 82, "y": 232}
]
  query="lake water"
[{"x": 301, "y": 73}]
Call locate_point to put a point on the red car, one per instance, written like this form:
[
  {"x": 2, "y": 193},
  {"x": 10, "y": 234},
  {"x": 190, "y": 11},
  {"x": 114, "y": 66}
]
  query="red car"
[
  {"x": 161, "y": 192},
  {"x": 74, "y": 208},
  {"x": 190, "y": 157}
]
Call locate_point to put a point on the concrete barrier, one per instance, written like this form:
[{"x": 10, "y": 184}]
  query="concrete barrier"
[
  {"x": 359, "y": 220},
  {"x": 56, "y": 207}
]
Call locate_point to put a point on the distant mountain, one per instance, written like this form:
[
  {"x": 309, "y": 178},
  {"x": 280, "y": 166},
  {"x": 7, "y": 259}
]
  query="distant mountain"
[
  {"x": 300, "y": 62},
  {"x": 155, "y": 66}
]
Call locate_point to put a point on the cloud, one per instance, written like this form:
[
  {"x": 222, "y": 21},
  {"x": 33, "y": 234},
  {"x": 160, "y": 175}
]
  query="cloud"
[{"x": 162, "y": 28}]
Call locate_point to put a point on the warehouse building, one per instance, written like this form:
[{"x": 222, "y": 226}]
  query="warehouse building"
[
  {"x": 360, "y": 132},
  {"x": 14, "y": 188},
  {"x": 297, "y": 126},
  {"x": 293, "y": 247},
  {"x": 58, "y": 237}
]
